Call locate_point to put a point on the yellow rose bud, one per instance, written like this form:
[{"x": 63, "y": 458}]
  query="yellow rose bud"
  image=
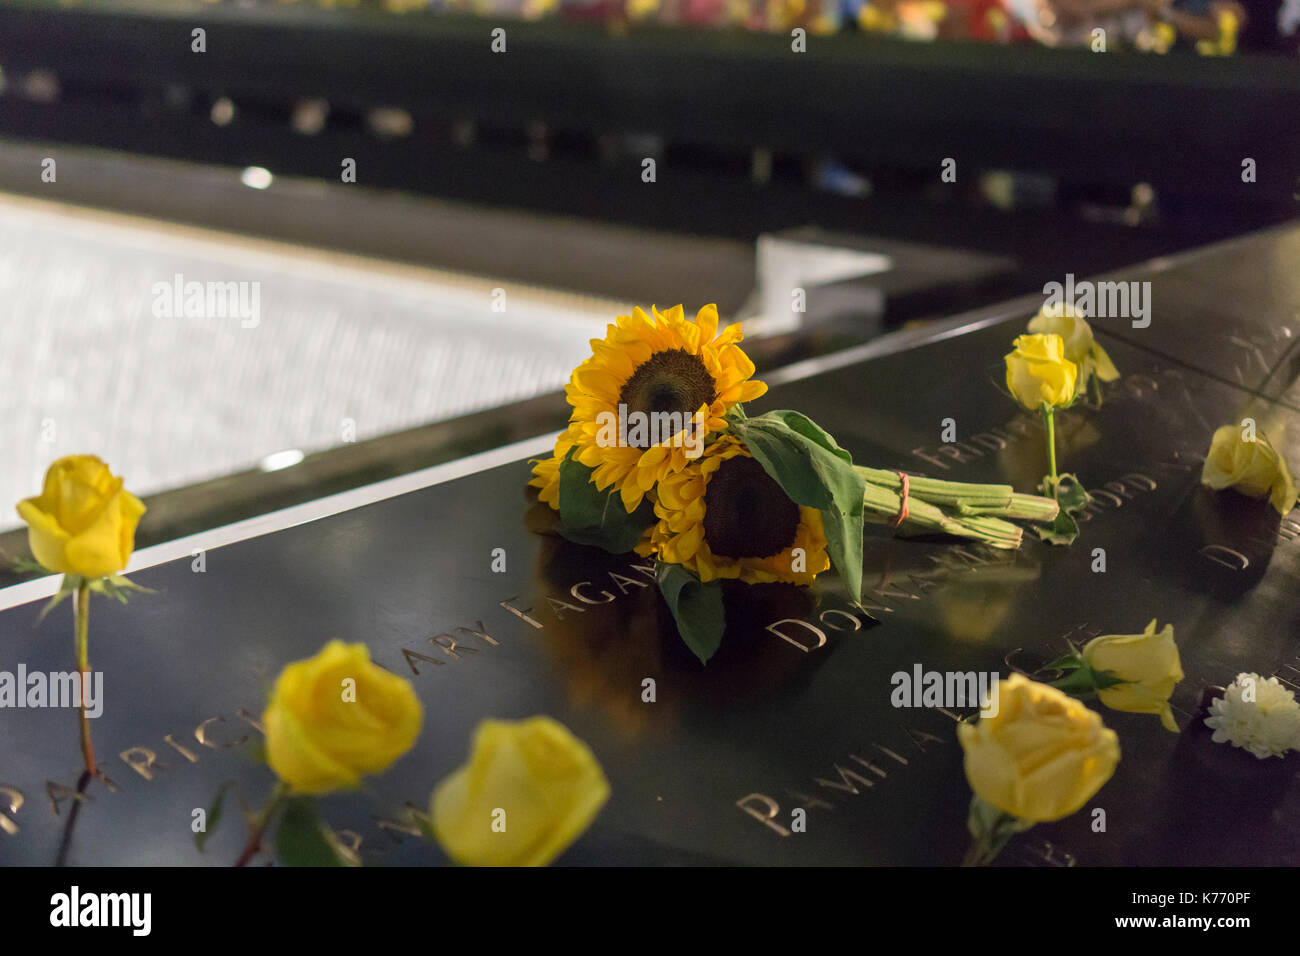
[
  {"x": 1080, "y": 346},
  {"x": 1148, "y": 663},
  {"x": 1041, "y": 756},
  {"x": 1038, "y": 372},
  {"x": 529, "y": 790},
  {"x": 1244, "y": 459},
  {"x": 337, "y": 717},
  {"x": 84, "y": 521}
]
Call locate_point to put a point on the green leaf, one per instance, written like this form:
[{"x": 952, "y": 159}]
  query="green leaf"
[
  {"x": 1078, "y": 683},
  {"x": 69, "y": 584},
  {"x": 1061, "y": 531},
  {"x": 991, "y": 829},
  {"x": 1067, "y": 663},
  {"x": 1084, "y": 682},
  {"x": 697, "y": 608},
  {"x": 844, "y": 544},
  {"x": 303, "y": 839},
  {"x": 213, "y": 815},
  {"x": 1073, "y": 498},
  {"x": 594, "y": 517},
  {"x": 23, "y": 566},
  {"x": 118, "y": 587},
  {"x": 1070, "y": 494},
  {"x": 801, "y": 424},
  {"x": 816, "y": 473}
]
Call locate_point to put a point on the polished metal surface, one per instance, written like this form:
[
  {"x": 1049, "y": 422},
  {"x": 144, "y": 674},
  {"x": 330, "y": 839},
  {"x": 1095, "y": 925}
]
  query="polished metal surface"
[{"x": 810, "y": 728}]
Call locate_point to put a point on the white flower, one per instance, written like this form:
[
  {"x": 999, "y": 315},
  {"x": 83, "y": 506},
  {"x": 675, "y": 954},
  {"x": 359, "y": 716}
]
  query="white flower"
[{"x": 1267, "y": 726}]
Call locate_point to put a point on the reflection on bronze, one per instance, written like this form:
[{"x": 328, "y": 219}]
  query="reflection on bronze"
[
  {"x": 1237, "y": 538},
  {"x": 57, "y": 791},
  {"x": 522, "y": 615},
  {"x": 450, "y": 646},
  {"x": 1021, "y": 463},
  {"x": 145, "y": 761},
  {"x": 11, "y": 801},
  {"x": 973, "y": 607},
  {"x": 413, "y": 656},
  {"x": 481, "y": 633},
  {"x": 412, "y": 821},
  {"x": 767, "y": 817},
  {"x": 65, "y": 844},
  {"x": 348, "y": 843},
  {"x": 252, "y": 721},
  {"x": 203, "y": 736},
  {"x": 846, "y": 782},
  {"x": 605, "y": 652},
  {"x": 1227, "y": 557},
  {"x": 187, "y": 754},
  {"x": 1210, "y": 817},
  {"x": 780, "y": 627}
]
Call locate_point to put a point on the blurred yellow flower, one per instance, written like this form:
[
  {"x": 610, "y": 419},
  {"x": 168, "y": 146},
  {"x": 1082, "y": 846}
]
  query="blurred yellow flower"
[
  {"x": 529, "y": 790},
  {"x": 337, "y": 717},
  {"x": 1041, "y": 756}
]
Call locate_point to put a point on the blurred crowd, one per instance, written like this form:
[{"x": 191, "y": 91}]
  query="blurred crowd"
[{"x": 1207, "y": 27}]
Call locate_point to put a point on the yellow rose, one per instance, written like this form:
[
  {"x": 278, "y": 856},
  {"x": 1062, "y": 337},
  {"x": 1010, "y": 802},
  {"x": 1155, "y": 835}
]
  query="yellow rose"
[
  {"x": 84, "y": 521},
  {"x": 1252, "y": 467},
  {"x": 1149, "y": 665},
  {"x": 529, "y": 790},
  {"x": 1038, "y": 372},
  {"x": 336, "y": 717},
  {"x": 1080, "y": 346},
  {"x": 1041, "y": 756}
]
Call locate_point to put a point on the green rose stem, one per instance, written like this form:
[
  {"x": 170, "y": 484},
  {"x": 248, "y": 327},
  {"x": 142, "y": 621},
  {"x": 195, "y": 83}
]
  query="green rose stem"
[
  {"x": 991, "y": 830},
  {"x": 1050, "y": 418},
  {"x": 983, "y": 851},
  {"x": 257, "y": 825},
  {"x": 977, "y": 510},
  {"x": 82, "y": 602}
]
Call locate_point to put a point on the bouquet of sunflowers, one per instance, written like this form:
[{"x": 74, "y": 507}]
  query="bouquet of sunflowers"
[{"x": 660, "y": 458}]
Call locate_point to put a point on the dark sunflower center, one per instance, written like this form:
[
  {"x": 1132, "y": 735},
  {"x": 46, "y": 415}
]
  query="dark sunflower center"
[
  {"x": 671, "y": 381},
  {"x": 746, "y": 514}
]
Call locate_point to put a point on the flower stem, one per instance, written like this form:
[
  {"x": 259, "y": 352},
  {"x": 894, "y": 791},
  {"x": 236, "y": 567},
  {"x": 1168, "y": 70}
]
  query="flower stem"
[
  {"x": 972, "y": 510},
  {"x": 81, "y": 599},
  {"x": 257, "y": 826},
  {"x": 1050, "y": 417},
  {"x": 974, "y": 855}
]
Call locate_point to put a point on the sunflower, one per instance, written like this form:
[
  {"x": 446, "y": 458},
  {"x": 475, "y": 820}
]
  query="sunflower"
[
  {"x": 664, "y": 367},
  {"x": 546, "y": 471},
  {"x": 725, "y": 517}
]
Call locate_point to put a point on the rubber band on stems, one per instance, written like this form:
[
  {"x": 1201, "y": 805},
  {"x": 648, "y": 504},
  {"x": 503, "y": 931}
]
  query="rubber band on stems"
[{"x": 902, "y": 501}]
